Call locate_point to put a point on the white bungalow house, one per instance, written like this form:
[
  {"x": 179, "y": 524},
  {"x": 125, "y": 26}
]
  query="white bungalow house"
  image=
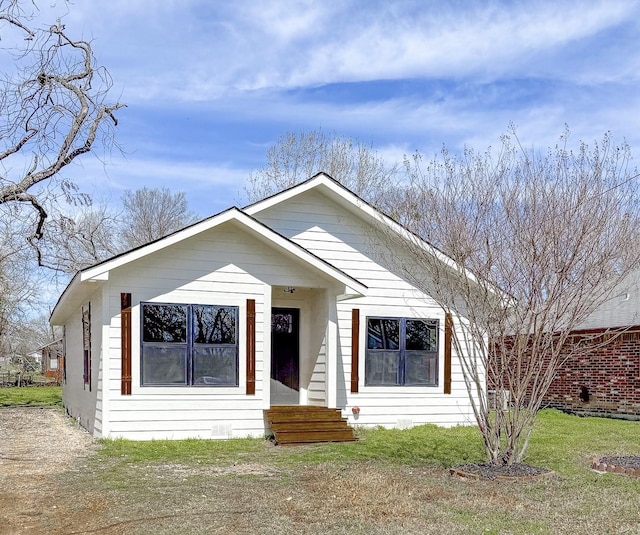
[{"x": 290, "y": 300}]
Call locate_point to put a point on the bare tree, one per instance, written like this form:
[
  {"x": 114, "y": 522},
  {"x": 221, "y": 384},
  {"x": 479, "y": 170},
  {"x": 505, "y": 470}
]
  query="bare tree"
[
  {"x": 53, "y": 107},
  {"x": 20, "y": 284},
  {"x": 91, "y": 235},
  {"x": 150, "y": 214},
  {"x": 98, "y": 231},
  {"x": 536, "y": 243},
  {"x": 297, "y": 157}
]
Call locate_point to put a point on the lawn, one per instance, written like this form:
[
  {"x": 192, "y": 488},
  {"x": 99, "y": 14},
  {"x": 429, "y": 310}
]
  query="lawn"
[
  {"x": 390, "y": 481},
  {"x": 31, "y": 395}
]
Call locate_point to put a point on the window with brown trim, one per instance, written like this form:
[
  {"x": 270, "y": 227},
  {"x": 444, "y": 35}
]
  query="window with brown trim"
[
  {"x": 401, "y": 352},
  {"x": 189, "y": 345}
]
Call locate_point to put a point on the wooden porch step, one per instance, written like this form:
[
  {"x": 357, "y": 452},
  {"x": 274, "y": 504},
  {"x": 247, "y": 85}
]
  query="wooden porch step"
[{"x": 307, "y": 424}]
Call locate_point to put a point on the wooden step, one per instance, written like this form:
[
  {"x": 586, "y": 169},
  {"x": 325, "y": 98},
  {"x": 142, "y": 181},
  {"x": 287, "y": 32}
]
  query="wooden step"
[
  {"x": 307, "y": 424},
  {"x": 314, "y": 416}
]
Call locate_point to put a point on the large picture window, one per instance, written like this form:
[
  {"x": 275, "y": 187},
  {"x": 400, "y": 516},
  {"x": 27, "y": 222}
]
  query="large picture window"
[
  {"x": 401, "y": 352},
  {"x": 186, "y": 345}
]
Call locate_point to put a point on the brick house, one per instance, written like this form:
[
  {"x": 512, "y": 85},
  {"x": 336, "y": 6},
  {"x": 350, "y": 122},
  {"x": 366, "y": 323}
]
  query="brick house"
[
  {"x": 52, "y": 360},
  {"x": 605, "y": 378}
]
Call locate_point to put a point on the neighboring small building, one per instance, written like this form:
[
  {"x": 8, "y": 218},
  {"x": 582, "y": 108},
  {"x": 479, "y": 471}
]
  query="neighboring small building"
[
  {"x": 605, "y": 378},
  {"x": 52, "y": 359},
  {"x": 33, "y": 360},
  {"x": 289, "y": 301}
]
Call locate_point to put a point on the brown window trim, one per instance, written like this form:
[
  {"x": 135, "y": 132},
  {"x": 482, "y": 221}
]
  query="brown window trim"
[
  {"x": 355, "y": 349},
  {"x": 251, "y": 346},
  {"x": 125, "y": 343},
  {"x": 448, "y": 336}
]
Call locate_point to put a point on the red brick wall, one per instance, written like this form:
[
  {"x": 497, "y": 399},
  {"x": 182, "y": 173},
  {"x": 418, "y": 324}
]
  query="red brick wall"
[{"x": 611, "y": 374}]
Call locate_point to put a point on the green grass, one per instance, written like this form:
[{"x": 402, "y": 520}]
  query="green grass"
[
  {"x": 559, "y": 441},
  {"x": 388, "y": 482},
  {"x": 422, "y": 445},
  {"x": 191, "y": 451},
  {"x": 31, "y": 395},
  {"x": 565, "y": 443}
]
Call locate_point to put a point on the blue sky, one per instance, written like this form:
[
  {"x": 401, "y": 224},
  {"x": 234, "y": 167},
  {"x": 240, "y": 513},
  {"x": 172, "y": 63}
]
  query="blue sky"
[{"x": 210, "y": 85}]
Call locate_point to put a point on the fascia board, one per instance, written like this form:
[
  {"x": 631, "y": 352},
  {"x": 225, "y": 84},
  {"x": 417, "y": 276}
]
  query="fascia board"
[
  {"x": 351, "y": 201},
  {"x": 285, "y": 195}
]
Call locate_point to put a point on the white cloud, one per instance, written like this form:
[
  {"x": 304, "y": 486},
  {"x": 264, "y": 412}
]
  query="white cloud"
[
  {"x": 210, "y": 187},
  {"x": 195, "y": 50},
  {"x": 232, "y": 63}
]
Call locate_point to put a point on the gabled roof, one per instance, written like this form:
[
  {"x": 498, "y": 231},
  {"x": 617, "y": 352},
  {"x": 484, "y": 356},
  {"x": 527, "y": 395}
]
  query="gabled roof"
[
  {"x": 78, "y": 290},
  {"x": 81, "y": 287},
  {"x": 330, "y": 187}
]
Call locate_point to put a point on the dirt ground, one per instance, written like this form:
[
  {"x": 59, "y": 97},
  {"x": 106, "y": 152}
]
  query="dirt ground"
[{"x": 36, "y": 446}]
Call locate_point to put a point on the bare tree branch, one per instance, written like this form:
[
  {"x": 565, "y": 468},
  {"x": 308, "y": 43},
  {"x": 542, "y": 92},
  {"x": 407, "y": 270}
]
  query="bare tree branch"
[
  {"x": 150, "y": 214},
  {"x": 296, "y": 157},
  {"x": 51, "y": 109}
]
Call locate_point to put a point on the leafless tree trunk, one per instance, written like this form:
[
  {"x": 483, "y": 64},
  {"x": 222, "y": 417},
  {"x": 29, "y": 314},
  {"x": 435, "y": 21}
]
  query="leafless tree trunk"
[
  {"x": 537, "y": 242},
  {"x": 52, "y": 109}
]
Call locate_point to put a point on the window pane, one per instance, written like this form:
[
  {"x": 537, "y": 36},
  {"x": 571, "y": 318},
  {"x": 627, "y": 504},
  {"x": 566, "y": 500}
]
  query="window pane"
[
  {"x": 381, "y": 368},
  {"x": 422, "y": 335},
  {"x": 282, "y": 323},
  {"x": 420, "y": 368},
  {"x": 164, "y": 323},
  {"x": 164, "y": 365},
  {"x": 383, "y": 333},
  {"x": 214, "y": 324},
  {"x": 215, "y": 366}
]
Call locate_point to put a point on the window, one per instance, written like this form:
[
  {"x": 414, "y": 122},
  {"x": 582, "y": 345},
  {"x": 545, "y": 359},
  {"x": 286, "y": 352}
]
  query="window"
[
  {"x": 86, "y": 344},
  {"x": 64, "y": 354},
  {"x": 189, "y": 345},
  {"x": 401, "y": 352}
]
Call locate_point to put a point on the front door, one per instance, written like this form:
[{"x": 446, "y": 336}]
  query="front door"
[{"x": 285, "y": 356}]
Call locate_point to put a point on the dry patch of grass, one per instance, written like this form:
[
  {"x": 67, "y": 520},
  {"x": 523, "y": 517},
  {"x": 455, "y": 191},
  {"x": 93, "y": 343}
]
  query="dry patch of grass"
[{"x": 355, "y": 497}]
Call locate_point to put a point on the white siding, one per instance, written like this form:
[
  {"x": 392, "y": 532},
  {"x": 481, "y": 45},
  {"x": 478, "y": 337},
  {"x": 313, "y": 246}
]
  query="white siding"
[
  {"x": 333, "y": 233},
  {"x": 223, "y": 267},
  {"x": 226, "y": 266},
  {"x": 84, "y": 401}
]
